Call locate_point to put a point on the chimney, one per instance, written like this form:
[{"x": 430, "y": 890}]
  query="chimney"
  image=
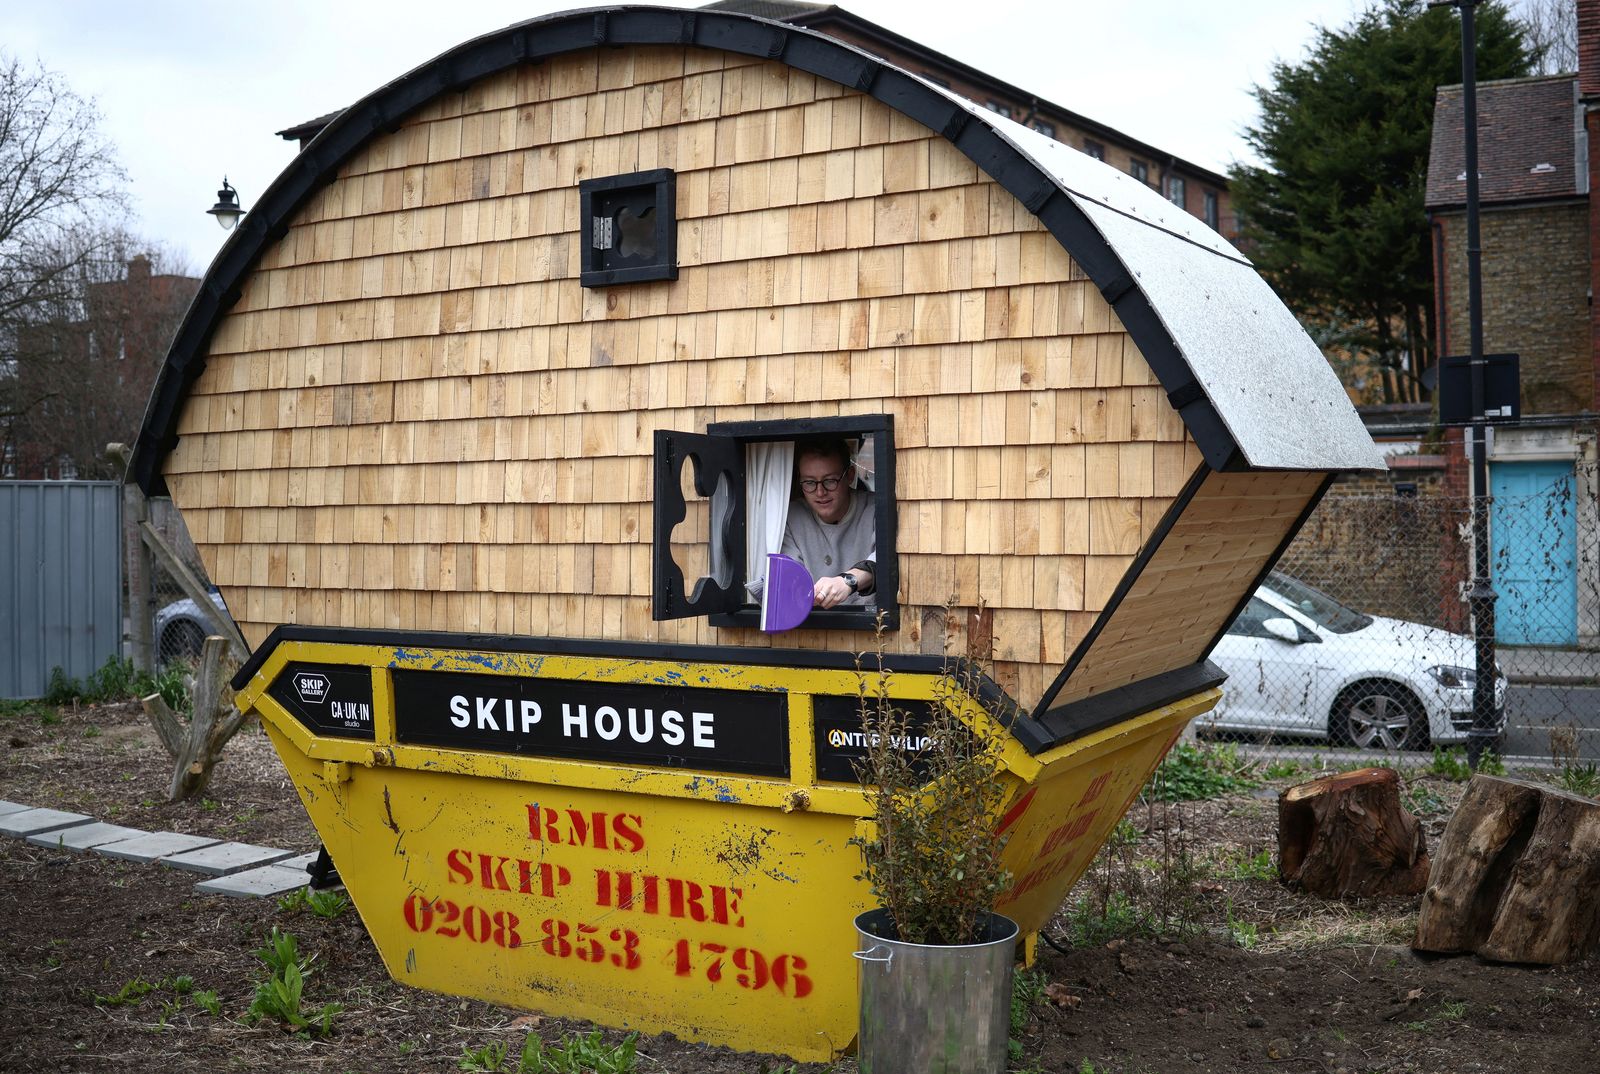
[
  {"x": 1589, "y": 49},
  {"x": 139, "y": 269}
]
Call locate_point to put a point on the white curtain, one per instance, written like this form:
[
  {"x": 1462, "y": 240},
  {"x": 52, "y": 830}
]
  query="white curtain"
[{"x": 769, "y": 469}]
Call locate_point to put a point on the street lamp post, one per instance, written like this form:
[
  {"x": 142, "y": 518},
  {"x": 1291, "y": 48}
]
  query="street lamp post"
[{"x": 1481, "y": 598}]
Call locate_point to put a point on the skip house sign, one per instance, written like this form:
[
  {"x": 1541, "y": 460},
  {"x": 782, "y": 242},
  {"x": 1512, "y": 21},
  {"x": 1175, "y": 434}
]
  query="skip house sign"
[{"x": 666, "y": 726}]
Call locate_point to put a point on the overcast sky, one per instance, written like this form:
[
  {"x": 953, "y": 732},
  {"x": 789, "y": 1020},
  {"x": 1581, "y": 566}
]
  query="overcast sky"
[{"x": 190, "y": 91}]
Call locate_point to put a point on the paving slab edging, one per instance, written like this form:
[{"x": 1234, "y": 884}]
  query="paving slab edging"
[{"x": 243, "y": 870}]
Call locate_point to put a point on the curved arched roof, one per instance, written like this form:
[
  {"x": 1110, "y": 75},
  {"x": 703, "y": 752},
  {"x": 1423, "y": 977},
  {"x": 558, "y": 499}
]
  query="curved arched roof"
[{"x": 1253, "y": 390}]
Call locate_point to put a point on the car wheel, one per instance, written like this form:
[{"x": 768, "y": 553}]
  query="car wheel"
[
  {"x": 182, "y": 640},
  {"x": 1380, "y": 716}
]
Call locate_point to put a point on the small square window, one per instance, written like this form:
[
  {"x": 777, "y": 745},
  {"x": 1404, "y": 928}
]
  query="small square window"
[
  {"x": 629, "y": 228},
  {"x": 996, "y": 106},
  {"x": 1094, "y": 149},
  {"x": 726, "y": 497},
  {"x": 1043, "y": 127},
  {"x": 1139, "y": 170}
]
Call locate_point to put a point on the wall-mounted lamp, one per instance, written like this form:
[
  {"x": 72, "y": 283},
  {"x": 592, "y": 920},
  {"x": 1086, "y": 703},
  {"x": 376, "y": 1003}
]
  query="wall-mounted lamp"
[{"x": 226, "y": 210}]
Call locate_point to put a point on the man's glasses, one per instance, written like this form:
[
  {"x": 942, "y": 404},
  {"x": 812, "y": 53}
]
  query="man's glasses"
[{"x": 827, "y": 484}]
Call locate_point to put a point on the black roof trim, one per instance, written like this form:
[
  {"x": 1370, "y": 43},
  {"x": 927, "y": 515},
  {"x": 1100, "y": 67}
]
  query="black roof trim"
[
  {"x": 822, "y": 16},
  {"x": 553, "y": 35},
  {"x": 1079, "y": 718}
]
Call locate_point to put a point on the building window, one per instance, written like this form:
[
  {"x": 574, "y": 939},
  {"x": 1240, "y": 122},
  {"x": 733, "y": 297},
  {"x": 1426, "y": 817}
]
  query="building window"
[
  {"x": 1094, "y": 149},
  {"x": 1177, "y": 190},
  {"x": 630, "y": 228},
  {"x": 1139, "y": 170},
  {"x": 726, "y": 498},
  {"x": 1044, "y": 128},
  {"x": 996, "y": 106},
  {"x": 1210, "y": 213}
]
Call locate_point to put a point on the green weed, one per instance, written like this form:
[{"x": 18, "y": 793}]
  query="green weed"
[
  {"x": 1192, "y": 773},
  {"x": 1580, "y": 779},
  {"x": 1452, "y": 764},
  {"x": 490, "y": 1057},
  {"x": 1423, "y": 800},
  {"x": 328, "y": 904},
  {"x": 579, "y": 1054},
  {"x": 1284, "y": 769},
  {"x": 131, "y": 992},
  {"x": 1244, "y": 933},
  {"x": 281, "y": 995},
  {"x": 207, "y": 1001},
  {"x": 1243, "y": 865},
  {"x": 1089, "y": 924}
]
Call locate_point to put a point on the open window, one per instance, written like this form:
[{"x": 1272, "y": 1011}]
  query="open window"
[{"x": 723, "y": 500}]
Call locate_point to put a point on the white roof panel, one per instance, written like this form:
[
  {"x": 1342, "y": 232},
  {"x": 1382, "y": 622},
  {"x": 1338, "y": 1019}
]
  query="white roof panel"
[{"x": 1268, "y": 382}]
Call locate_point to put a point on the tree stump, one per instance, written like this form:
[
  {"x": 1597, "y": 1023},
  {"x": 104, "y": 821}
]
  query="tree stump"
[
  {"x": 197, "y": 747},
  {"x": 1516, "y": 874},
  {"x": 1347, "y": 835}
]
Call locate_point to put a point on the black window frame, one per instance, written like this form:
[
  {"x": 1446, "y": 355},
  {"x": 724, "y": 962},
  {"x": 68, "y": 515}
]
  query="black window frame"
[
  {"x": 660, "y": 186},
  {"x": 1044, "y": 127},
  {"x": 1095, "y": 149},
  {"x": 1211, "y": 210},
  {"x": 1178, "y": 191},
  {"x": 1139, "y": 169},
  {"x": 886, "y": 578}
]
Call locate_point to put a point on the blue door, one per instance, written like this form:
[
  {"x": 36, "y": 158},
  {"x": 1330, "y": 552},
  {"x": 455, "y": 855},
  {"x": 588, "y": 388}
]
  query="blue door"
[{"x": 1534, "y": 542}]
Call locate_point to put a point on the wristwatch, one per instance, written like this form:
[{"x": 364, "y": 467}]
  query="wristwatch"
[{"x": 850, "y": 580}]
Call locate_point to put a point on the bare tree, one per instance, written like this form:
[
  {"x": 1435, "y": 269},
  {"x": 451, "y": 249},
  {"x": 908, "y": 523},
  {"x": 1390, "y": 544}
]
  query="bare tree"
[
  {"x": 60, "y": 184},
  {"x": 87, "y": 356},
  {"x": 1551, "y": 29}
]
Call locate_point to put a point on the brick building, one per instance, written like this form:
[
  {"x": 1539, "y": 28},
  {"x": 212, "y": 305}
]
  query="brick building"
[
  {"x": 1540, "y": 239},
  {"x": 83, "y": 376}
]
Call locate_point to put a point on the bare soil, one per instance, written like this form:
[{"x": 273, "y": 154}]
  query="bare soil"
[{"x": 1216, "y": 968}]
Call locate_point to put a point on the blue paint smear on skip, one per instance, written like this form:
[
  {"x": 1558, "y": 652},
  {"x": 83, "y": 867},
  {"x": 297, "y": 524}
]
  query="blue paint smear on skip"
[{"x": 719, "y": 790}]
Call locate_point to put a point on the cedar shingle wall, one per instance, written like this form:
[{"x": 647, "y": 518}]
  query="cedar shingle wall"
[{"x": 416, "y": 418}]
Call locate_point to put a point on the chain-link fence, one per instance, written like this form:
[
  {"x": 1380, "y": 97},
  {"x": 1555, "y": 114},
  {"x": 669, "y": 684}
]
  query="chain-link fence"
[
  {"x": 178, "y": 624},
  {"x": 1361, "y": 642}
]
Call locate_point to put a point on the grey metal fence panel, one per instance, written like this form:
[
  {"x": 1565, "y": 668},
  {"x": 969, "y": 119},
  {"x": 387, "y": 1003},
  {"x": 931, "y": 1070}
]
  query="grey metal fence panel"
[{"x": 60, "y": 580}]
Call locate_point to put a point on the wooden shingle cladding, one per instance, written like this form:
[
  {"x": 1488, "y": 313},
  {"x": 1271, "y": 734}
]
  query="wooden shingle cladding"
[{"x": 415, "y": 418}]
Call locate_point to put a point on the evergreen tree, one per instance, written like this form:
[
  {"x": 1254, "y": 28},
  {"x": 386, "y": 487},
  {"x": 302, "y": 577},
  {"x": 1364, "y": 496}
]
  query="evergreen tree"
[{"x": 1334, "y": 218}]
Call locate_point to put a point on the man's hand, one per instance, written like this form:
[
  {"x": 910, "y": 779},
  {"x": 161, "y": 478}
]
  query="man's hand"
[{"x": 829, "y": 591}]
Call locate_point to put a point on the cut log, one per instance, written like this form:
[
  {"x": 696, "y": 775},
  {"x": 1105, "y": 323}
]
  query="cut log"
[
  {"x": 1347, "y": 835},
  {"x": 1517, "y": 867}
]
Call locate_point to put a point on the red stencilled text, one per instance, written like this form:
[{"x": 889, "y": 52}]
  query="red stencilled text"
[
  {"x": 575, "y": 828},
  {"x": 497, "y": 872},
  {"x": 645, "y": 893}
]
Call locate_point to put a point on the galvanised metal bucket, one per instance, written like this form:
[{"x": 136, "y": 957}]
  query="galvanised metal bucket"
[{"x": 934, "y": 1009}]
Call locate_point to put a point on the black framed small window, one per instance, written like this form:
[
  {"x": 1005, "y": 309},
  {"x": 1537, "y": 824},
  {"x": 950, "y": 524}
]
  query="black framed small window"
[
  {"x": 1139, "y": 170},
  {"x": 702, "y": 499},
  {"x": 1094, "y": 149},
  {"x": 1210, "y": 213},
  {"x": 629, "y": 230},
  {"x": 1044, "y": 127},
  {"x": 1177, "y": 190}
]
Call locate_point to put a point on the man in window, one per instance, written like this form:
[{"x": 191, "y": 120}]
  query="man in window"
[{"x": 831, "y": 526}]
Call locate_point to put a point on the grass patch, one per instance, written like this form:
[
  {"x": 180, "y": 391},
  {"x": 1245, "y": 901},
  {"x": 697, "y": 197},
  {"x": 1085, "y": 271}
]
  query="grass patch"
[
  {"x": 1192, "y": 773},
  {"x": 1579, "y": 779}
]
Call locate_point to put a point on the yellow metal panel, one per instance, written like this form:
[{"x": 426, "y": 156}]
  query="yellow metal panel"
[{"x": 712, "y": 904}]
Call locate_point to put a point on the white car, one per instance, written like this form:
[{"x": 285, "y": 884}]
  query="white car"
[
  {"x": 181, "y": 627},
  {"x": 1301, "y": 664}
]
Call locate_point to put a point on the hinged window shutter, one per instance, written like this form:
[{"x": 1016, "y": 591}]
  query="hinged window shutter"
[{"x": 718, "y": 462}]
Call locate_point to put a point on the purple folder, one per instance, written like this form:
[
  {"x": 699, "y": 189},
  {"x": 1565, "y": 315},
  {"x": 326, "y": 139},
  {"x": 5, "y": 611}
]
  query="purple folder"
[{"x": 788, "y": 595}]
